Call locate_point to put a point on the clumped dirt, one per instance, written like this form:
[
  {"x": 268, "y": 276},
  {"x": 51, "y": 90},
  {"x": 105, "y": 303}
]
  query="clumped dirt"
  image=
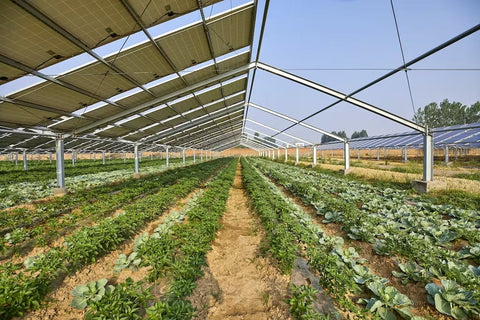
[{"x": 239, "y": 282}]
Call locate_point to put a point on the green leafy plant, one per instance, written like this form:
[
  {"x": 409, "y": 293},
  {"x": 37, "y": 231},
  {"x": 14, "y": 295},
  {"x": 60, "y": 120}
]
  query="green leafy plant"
[
  {"x": 411, "y": 272},
  {"x": 301, "y": 303},
  {"x": 453, "y": 300},
  {"x": 92, "y": 291},
  {"x": 131, "y": 262},
  {"x": 388, "y": 302}
]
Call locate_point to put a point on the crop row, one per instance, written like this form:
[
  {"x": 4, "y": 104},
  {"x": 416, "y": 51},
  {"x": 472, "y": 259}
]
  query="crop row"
[
  {"x": 418, "y": 233},
  {"x": 22, "y": 289},
  {"x": 176, "y": 251},
  {"x": 40, "y": 225},
  {"x": 20, "y": 192}
]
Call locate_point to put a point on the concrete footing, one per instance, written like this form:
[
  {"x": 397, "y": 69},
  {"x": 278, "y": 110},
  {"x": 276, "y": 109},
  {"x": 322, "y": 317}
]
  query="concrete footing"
[
  {"x": 427, "y": 186},
  {"x": 58, "y": 192},
  {"x": 345, "y": 172},
  {"x": 136, "y": 176}
]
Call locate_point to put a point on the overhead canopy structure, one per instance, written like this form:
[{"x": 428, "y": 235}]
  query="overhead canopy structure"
[
  {"x": 149, "y": 93},
  {"x": 187, "y": 88}
]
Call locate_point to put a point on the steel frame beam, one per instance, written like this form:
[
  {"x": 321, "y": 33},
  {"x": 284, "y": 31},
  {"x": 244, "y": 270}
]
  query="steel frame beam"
[
  {"x": 276, "y": 130},
  {"x": 162, "y": 99},
  {"x": 342, "y": 96},
  {"x": 282, "y": 116}
]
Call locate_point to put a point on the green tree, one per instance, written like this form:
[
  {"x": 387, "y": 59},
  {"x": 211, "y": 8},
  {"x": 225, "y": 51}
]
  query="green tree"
[
  {"x": 326, "y": 138},
  {"x": 447, "y": 114},
  {"x": 360, "y": 134}
]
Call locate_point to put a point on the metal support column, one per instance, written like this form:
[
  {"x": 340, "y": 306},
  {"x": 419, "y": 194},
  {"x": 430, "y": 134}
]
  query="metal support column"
[
  {"x": 286, "y": 154},
  {"x": 167, "y": 157},
  {"x": 183, "y": 156},
  {"x": 378, "y": 155},
  {"x": 73, "y": 158},
  {"x": 427, "y": 157},
  {"x": 25, "y": 160},
  {"x": 296, "y": 155},
  {"x": 124, "y": 157},
  {"x": 314, "y": 155},
  {"x": 194, "y": 156},
  {"x": 446, "y": 154},
  {"x": 135, "y": 151},
  {"x": 60, "y": 190},
  {"x": 16, "y": 158},
  {"x": 50, "y": 157},
  {"x": 405, "y": 155},
  {"x": 358, "y": 154},
  {"x": 346, "y": 155},
  {"x": 103, "y": 157}
]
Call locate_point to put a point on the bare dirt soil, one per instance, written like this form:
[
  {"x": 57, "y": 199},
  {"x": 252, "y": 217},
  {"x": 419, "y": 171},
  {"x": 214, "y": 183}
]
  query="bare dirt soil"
[{"x": 239, "y": 282}]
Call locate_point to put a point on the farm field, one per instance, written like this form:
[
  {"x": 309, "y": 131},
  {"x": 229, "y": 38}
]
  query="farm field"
[{"x": 239, "y": 239}]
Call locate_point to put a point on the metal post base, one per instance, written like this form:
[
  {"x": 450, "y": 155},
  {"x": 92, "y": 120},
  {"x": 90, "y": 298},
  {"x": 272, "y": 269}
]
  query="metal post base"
[
  {"x": 58, "y": 192},
  {"x": 427, "y": 186}
]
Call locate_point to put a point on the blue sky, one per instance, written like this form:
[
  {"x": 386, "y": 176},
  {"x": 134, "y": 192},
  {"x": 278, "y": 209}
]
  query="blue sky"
[
  {"x": 308, "y": 36},
  {"x": 302, "y": 36}
]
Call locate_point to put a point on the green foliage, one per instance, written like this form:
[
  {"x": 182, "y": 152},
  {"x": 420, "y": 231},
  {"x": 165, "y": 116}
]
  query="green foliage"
[
  {"x": 123, "y": 262},
  {"x": 127, "y": 300},
  {"x": 452, "y": 300},
  {"x": 326, "y": 138},
  {"x": 388, "y": 302},
  {"x": 301, "y": 303},
  {"x": 447, "y": 114},
  {"x": 411, "y": 271},
  {"x": 360, "y": 134},
  {"x": 92, "y": 291}
]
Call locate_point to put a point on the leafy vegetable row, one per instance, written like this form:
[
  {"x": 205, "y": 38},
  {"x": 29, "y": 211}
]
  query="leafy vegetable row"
[
  {"x": 370, "y": 223},
  {"x": 24, "y": 289},
  {"x": 41, "y": 225},
  {"x": 289, "y": 227},
  {"x": 20, "y": 192},
  {"x": 175, "y": 250}
]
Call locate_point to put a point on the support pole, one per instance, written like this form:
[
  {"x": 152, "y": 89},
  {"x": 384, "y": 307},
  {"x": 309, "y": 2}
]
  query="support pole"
[
  {"x": 183, "y": 156},
  {"x": 273, "y": 154},
  {"x": 296, "y": 155},
  {"x": 60, "y": 190},
  {"x": 194, "y": 156},
  {"x": 135, "y": 151},
  {"x": 167, "y": 157},
  {"x": 405, "y": 155},
  {"x": 278, "y": 153},
  {"x": 201, "y": 155},
  {"x": 346, "y": 156},
  {"x": 73, "y": 158},
  {"x": 446, "y": 154},
  {"x": 378, "y": 155},
  {"x": 50, "y": 157},
  {"x": 151, "y": 155},
  {"x": 427, "y": 157},
  {"x": 25, "y": 160},
  {"x": 314, "y": 155},
  {"x": 103, "y": 157},
  {"x": 16, "y": 158},
  {"x": 286, "y": 154},
  {"x": 358, "y": 154},
  {"x": 124, "y": 157}
]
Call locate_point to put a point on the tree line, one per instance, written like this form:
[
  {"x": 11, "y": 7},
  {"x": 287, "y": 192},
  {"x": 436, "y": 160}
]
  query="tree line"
[{"x": 434, "y": 115}]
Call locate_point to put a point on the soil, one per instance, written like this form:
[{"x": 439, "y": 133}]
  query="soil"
[{"x": 239, "y": 282}]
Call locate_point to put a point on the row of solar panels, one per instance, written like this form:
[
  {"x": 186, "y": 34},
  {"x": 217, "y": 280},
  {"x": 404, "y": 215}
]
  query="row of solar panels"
[{"x": 467, "y": 135}]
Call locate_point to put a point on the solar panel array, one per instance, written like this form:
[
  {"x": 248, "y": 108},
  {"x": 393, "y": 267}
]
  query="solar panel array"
[
  {"x": 467, "y": 135},
  {"x": 169, "y": 83}
]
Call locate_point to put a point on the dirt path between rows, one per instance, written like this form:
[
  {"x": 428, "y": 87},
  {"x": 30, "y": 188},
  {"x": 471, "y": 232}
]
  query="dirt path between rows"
[{"x": 246, "y": 284}]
